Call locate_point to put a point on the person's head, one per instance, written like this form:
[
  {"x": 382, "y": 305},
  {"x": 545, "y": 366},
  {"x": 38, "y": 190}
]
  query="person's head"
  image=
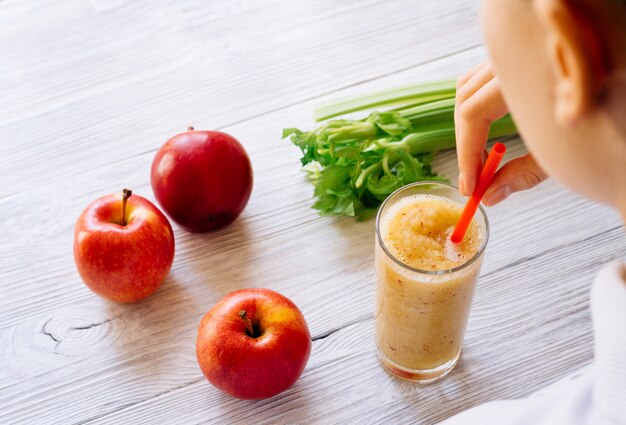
[{"x": 562, "y": 66}]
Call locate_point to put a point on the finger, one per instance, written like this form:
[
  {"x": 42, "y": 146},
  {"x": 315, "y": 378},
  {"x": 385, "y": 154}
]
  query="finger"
[
  {"x": 477, "y": 80},
  {"x": 475, "y": 116},
  {"x": 465, "y": 77},
  {"x": 466, "y": 86},
  {"x": 521, "y": 173}
]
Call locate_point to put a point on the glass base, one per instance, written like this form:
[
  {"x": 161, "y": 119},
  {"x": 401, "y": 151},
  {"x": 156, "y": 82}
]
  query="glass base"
[{"x": 415, "y": 375}]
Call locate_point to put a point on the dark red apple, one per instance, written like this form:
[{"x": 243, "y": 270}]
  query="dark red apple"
[
  {"x": 253, "y": 344},
  {"x": 123, "y": 247},
  {"x": 202, "y": 179}
]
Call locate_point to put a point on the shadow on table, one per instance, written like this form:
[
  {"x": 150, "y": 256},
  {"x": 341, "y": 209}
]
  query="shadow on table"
[
  {"x": 218, "y": 262},
  {"x": 157, "y": 334},
  {"x": 358, "y": 238}
]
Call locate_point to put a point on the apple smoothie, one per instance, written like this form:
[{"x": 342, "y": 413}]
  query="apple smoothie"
[{"x": 425, "y": 282}]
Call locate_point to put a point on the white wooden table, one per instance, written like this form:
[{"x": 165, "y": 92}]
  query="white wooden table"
[{"x": 89, "y": 89}]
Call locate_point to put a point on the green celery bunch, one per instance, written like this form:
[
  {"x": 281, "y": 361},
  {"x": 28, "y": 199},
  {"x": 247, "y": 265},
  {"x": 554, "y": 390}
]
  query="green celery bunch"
[{"x": 355, "y": 164}]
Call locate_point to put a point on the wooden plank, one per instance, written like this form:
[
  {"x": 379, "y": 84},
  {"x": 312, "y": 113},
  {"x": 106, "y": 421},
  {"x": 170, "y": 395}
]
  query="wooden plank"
[
  {"x": 38, "y": 220},
  {"x": 87, "y": 118},
  {"x": 525, "y": 332},
  {"x": 122, "y": 79},
  {"x": 147, "y": 349},
  {"x": 206, "y": 267},
  {"x": 280, "y": 191}
]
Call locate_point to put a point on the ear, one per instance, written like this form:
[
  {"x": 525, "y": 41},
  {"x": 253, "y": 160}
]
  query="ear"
[{"x": 569, "y": 57}]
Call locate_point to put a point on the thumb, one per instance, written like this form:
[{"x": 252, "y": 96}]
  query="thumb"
[{"x": 518, "y": 174}]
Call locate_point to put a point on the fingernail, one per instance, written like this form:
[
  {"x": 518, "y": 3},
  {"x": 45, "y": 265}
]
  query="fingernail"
[{"x": 497, "y": 195}]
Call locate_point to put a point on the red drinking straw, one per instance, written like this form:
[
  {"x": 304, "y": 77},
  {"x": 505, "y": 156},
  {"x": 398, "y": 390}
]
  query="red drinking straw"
[{"x": 486, "y": 176}]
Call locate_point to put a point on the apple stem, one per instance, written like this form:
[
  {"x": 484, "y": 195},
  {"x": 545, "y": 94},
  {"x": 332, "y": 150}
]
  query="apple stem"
[
  {"x": 125, "y": 195},
  {"x": 246, "y": 320},
  {"x": 190, "y": 128}
]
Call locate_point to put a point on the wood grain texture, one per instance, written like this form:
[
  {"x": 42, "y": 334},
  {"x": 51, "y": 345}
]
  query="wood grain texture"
[
  {"x": 90, "y": 92},
  {"x": 344, "y": 383},
  {"x": 145, "y": 62}
]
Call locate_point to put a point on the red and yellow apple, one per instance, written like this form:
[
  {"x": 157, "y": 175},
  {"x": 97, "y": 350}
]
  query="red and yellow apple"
[
  {"x": 253, "y": 344},
  {"x": 123, "y": 247},
  {"x": 202, "y": 179}
]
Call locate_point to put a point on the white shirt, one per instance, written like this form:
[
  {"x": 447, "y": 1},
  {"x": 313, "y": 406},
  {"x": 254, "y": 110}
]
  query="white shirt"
[{"x": 594, "y": 395}]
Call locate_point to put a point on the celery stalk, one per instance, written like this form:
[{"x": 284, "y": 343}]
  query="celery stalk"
[
  {"x": 418, "y": 93},
  {"x": 355, "y": 164}
]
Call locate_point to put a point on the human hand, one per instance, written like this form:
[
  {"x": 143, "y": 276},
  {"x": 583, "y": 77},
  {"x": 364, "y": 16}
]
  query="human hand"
[{"x": 479, "y": 102}]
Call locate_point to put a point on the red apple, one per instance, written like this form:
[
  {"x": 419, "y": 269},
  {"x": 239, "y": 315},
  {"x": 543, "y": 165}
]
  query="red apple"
[
  {"x": 253, "y": 344},
  {"x": 202, "y": 179},
  {"x": 123, "y": 247}
]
